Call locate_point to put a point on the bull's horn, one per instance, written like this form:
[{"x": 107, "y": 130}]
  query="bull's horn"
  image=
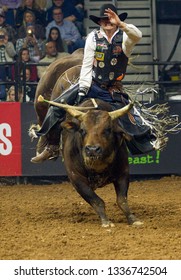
[
  {"x": 64, "y": 106},
  {"x": 72, "y": 110},
  {"x": 120, "y": 112}
]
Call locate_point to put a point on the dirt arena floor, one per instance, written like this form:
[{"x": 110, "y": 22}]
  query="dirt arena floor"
[{"x": 51, "y": 221}]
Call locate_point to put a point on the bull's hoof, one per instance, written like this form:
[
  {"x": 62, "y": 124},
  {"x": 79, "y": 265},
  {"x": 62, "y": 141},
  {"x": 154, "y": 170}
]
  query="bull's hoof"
[
  {"x": 107, "y": 224},
  {"x": 132, "y": 220},
  {"x": 137, "y": 223}
]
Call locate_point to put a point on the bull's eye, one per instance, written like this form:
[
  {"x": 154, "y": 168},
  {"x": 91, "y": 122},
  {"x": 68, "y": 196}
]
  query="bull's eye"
[
  {"x": 83, "y": 132},
  {"x": 107, "y": 131}
]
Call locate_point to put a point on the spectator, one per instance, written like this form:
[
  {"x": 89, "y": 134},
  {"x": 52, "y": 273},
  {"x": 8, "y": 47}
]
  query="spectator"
[
  {"x": 11, "y": 94},
  {"x": 29, "y": 19},
  {"x": 79, "y": 5},
  {"x": 9, "y": 7},
  {"x": 30, "y": 5},
  {"x": 44, "y": 4},
  {"x": 74, "y": 11},
  {"x": 28, "y": 90},
  {"x": 12, "y": 34},
  {"x": 54, "y": 35},
  {"x": 34, "y": 45},
  {"x": 51, "y": 55},
  {"x": 69, "y": 32},
  {"x": 24, "y": 57},
  {"x": 70, "y": 12},
  {"x": 7, "y": 54}
]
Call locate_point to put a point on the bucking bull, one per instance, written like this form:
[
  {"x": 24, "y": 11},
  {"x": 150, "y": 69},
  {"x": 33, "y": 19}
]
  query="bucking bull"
[
  {"x": 95, "y": 154},
  {"x": 93, "y": 145}
]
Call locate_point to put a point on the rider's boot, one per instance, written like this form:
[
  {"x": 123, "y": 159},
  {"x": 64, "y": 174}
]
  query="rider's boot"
[
  {"x": 51, "y": 129},
  {"x": 51, "y": 150}
]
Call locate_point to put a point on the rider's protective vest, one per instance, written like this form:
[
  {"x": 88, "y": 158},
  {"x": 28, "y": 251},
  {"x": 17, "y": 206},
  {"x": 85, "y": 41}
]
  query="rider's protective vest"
[{"x": 110, "y": 62}]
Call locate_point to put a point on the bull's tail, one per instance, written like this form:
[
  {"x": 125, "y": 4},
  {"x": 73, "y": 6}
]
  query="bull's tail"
[{"x": 32, "y": 131}]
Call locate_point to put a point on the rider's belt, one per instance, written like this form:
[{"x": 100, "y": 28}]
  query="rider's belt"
[
  {"x": 106, "y": 85},
  {"x": 115, "y": 86},
  {"x": 103, "y": 86}
]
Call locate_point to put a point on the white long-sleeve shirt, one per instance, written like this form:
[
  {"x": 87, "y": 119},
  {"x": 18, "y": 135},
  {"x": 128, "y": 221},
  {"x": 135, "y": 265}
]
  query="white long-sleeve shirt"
[{"x": 131, "y": 36}]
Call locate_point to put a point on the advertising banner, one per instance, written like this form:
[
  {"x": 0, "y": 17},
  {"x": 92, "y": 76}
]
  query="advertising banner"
[{"x": 10, "y": 139}]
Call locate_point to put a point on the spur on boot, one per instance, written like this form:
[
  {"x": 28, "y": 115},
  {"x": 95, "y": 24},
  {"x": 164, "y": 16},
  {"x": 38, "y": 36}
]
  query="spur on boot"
[{"x": 51, "y": 152}]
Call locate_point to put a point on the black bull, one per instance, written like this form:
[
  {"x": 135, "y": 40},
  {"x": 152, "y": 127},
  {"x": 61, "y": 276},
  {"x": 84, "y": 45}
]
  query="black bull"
[{"x": 95, "y": 154}]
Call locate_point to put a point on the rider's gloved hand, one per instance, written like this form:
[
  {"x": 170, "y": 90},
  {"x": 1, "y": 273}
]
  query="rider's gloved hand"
[{"x": 81, "y": 95}]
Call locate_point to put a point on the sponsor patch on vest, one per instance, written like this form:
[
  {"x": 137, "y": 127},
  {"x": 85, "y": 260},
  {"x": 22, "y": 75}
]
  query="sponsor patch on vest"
[
  {"x": 117, "y": 50},
  {"x": 99, "y": 56},
  {"x": 119, "y": 78},
  {"x": 101, "y": 64},
  {"x": 114, "y": 61},
  {"x": 111, "y": 75}
]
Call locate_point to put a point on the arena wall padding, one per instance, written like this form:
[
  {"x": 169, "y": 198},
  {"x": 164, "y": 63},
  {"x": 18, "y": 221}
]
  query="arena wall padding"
[
  {"x": 16, "y": 148},
  {"x": 10, "y": 139}
]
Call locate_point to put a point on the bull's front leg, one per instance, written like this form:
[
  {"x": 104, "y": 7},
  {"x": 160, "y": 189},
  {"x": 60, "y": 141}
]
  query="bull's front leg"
[
  {"x": 121, "y": 188},
  {"x": 95, "y": 201}
]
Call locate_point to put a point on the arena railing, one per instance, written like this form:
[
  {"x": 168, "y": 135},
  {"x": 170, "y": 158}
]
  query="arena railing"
[
  {"x": 164, "y": 85},
  {"x": 8, "y": 80}
]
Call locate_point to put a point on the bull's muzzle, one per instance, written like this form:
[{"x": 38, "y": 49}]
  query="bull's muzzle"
[{"x": 93, "y": 151}]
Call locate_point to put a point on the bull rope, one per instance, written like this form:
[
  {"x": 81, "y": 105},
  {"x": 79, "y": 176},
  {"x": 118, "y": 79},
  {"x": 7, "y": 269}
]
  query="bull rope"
[{"x": 71, "y": 82}]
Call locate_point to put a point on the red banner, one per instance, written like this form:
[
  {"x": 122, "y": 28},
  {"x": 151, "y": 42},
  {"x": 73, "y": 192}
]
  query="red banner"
[{"x": 10, "y": 139}]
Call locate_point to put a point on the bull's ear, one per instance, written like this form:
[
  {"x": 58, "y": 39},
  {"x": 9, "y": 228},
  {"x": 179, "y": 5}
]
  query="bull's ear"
[
  {"x": 123, "y": 132},
  {"x": 127, "y": 136},
  {"x": 69, "y": 125}
]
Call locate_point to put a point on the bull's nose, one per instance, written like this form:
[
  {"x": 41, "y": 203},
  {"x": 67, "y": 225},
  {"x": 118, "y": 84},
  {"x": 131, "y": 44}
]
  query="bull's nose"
[{"x": 93, "y": 150}]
